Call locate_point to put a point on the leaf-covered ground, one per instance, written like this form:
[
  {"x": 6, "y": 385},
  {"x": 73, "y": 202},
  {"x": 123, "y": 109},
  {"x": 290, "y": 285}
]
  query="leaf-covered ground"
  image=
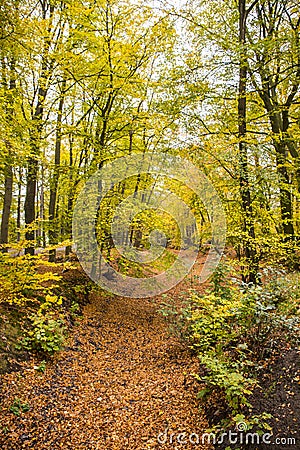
[{"x": 120, "y": 381}]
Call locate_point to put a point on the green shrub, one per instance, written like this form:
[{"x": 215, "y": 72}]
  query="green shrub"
[
  {"x": 233, "y": 327},
  {"x": 20, "y": 280},
  {"x": 223, "y": 375},
  {"x": 46, "y": 333}
]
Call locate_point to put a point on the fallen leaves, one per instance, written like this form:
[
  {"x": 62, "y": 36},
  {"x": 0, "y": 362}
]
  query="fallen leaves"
[{"x": 117, "y": 384}]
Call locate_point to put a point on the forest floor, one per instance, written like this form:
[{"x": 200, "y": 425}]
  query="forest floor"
[
  {"x": 120, "y": 381},
  {"x": 123, "y": 381}
]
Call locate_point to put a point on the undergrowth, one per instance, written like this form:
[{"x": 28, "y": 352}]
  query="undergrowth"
[
  {"x": 235, "y": 329},
  {"x": 41, "y": 299}
]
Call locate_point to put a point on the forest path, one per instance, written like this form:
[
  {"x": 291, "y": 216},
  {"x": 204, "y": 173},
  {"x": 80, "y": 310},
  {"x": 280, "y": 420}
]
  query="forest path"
[{"x": 120, "y": 381}]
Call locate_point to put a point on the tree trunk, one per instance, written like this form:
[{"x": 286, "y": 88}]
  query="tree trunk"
[
  {"x": 285, "y": 195},
  {"x": 9, "y": 88},
  {"x": 19, "y": 206},
  {"x": 72, "y": 186},
  {"x": 286, "y": 201},
  {"x": 36, "y": 131},
  {"x": 55, "y": 177},
  {"x": 271, "y": 93},
  {"x": 29, "y": 205},
  {"x": 248, "y": 226},
  {"x": 8, "y": 191}
]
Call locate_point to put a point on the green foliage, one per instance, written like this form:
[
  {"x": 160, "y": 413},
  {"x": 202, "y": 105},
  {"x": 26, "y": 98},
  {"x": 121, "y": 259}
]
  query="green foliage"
[
  {"x": 41, "y": 367},
  {"x": 178, "y": 319},
  {"x": 212, "y": 321},
  {"x": 219, "y": 281},
  {"x": 74, "y": 309},
  {"x": 214, "y": 330},
  {"x": 233, "y": 328},
  {"x": 43, "y": 301},
  {"x": 17, "y": 407},
  {"x": 27, "y": 283},
  {"x": 46, "y": 333},
  {"x": 20, "y": 279},
  {"x": 228, "y": 377}
]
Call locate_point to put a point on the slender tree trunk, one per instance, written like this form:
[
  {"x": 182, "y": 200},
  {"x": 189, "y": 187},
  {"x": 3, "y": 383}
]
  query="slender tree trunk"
[
  {"x": 9, "y": 88},
  {"x": 249, "y": 230},
  {"x": 285, "y": 196},
  {"x": 279, "y": 111},
  {"x": 19, "y": 205},
  {"x": 32, "y": 170},
  {"x": 8, "y": 193},
  {"x": 69, "y": 225},
  {"x": 70, "y": 198},
  {"x": 55, "y": 177},
  {"x": 41, "y": 229},
  {"x": 29, "y": 205},
  {"x": 36, "y": 132}
]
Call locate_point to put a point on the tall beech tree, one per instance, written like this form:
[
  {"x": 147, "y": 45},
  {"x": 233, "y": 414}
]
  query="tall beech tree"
[
  {"x": 52, "y": 32},
  {"x": 56, "y": 173},
  {"x": 9, "y": 87},
  {"x": 10, "y": 30},
  {"x": 273, "y": 36},
  {"x": 254, "y": 55},
  {"x": 249, "y": 227}
]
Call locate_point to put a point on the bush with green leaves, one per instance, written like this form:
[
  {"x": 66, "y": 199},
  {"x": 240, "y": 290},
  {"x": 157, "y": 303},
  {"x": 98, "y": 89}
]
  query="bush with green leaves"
[
  {"x": 46, "y": 333},
  {"x": 20, "y": 280},
  {"x": 40, "y": 298},
  {"x": 232, "y": 327},
  {"x": 229, "y": 377},
  {"x": 216, "y": 331}
]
